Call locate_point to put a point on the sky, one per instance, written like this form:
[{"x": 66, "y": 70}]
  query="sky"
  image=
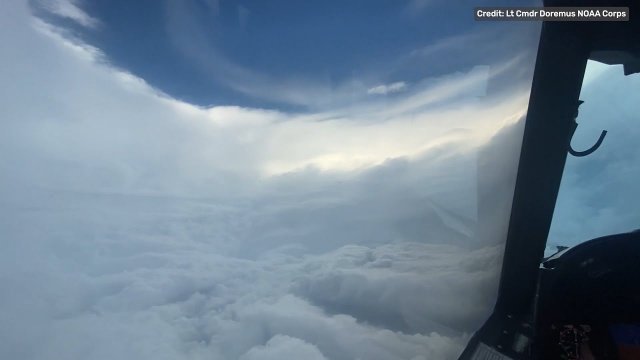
[
  {"x": 237, "y": 180},
  {"x": 280, "y": 54},
  {"x": 599, "y": 187}
]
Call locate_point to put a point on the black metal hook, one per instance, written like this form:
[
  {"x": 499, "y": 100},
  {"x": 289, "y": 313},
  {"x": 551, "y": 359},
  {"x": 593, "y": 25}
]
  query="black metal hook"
[{"x": 592, "y": 148}]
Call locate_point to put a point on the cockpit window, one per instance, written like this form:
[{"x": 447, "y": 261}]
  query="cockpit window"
[{"x": 597, "y": 193}]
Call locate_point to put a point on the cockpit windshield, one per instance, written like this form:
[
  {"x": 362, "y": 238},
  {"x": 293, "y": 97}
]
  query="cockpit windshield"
[
  {"x": 598, "y": 191},
  {"x": 266, "y": 179}
]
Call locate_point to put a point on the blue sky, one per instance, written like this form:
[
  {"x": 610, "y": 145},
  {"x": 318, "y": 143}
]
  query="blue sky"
[{"x": 282, "y": 54}]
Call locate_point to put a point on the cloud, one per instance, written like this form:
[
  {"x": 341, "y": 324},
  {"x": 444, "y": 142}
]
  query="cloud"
[
  {"x": 137, "y": 226},
  {"x": 151, "y": 277},
  {"x": 69, "y": 9},
  {"x": 283, "y": 347},
  {"x": 387, "y": 89},
  {"x": 393, "y": 286},
  {"x": 235, "y": 143}
]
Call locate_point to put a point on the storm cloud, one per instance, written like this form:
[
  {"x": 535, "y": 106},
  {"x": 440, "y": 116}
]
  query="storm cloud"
[{"x": 138, "y": 226}]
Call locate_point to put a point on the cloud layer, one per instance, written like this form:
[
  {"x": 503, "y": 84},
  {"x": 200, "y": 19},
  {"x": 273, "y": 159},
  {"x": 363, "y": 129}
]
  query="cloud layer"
[{"x": 137, "y": 226}]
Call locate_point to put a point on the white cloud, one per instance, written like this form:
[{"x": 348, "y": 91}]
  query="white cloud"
[
  {"x": 69, "y": 9},
  {"x": 149, "y": 277},
  {"x": 136, "y": 226},
  {"x": 387, "y": 89},
  {"x": 283, "y": 347},
  {"x": 393, "y": 286}
]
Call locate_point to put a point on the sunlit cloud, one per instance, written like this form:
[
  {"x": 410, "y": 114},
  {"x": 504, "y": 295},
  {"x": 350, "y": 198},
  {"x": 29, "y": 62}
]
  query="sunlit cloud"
[{"x": 387, "y": 89}]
